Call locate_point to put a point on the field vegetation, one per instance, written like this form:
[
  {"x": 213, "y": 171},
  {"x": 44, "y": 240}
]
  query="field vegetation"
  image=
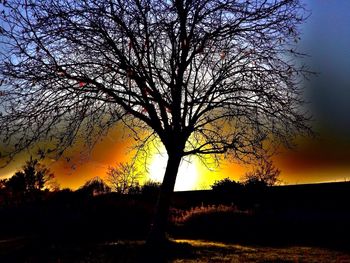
[{"x": 233, "y": 222}]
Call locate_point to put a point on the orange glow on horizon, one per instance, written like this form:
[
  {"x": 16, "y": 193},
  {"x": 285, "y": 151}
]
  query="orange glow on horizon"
[{"x": 308, "y": 163}]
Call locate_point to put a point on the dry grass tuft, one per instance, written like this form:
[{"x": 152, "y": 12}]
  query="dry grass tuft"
[{"x": 182, "y": 216}]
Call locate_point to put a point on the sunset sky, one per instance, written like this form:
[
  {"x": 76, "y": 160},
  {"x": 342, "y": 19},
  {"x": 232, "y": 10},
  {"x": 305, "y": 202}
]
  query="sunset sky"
[{"x": 326, "y": 39}]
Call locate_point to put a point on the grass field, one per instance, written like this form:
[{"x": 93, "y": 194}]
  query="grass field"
[
  {"x": 178, "y": 251},
  {"x": 221, "y": 252},
  {"x": 288, "y": 224}
]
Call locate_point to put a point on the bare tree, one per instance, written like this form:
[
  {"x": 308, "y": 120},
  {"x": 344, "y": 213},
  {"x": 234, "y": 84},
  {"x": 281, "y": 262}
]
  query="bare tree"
[
  {"x": 213, "y": 77},
  {"x": 123, "y": 178},
  {"x": 265, "y": 172},
  {"x": 95, "y": 186}
]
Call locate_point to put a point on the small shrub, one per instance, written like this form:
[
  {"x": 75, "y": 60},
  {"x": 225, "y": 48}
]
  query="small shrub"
[
  {"x": 226, "y": 186},
  {"x": 182, "y": 217},
  {"x": 224, "y": 222},
  {"x": 150, "y": 189}
]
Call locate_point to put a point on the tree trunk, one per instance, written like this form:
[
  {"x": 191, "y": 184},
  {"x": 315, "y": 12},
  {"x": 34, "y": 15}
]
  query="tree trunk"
[{"x": 157, "y": 236}]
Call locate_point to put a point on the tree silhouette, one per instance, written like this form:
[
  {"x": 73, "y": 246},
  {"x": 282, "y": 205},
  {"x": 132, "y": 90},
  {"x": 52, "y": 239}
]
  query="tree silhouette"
[
  {"x": 204, "y": 77},
  {"x": 264, "y": 173},
  {"x": 17, "y": 183},
  {"x": 33, "y": 177},
  {"x": 226, "y": 186},
  {"x": 95, "y": 186},
  {"x": 123, "y": 178}
]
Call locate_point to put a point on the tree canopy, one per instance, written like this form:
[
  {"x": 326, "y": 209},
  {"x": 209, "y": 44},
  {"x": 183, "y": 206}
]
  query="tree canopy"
[
  {"x": 216, "y": 76},
  {"x": 204, "y": 77}
]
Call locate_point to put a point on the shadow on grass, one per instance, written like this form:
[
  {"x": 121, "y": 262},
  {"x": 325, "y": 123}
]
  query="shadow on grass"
[{"x": 31, "y": 250}]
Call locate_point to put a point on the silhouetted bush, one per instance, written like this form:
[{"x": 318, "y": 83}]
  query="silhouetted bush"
[
  {"x": 135, "y": 190},
  {"x": 264, "y": 174},
  {"x": 226, "y": 186},
  {"x": 254, "y": 185},
  {"x": 151, "y": 189},
  {"x": 95, "y": 186},
  {"x": 228, "y": 191}
]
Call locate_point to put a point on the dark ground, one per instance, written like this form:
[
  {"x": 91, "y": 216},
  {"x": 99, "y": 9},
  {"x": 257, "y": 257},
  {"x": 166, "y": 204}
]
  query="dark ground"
[
  {"x": 25, "y": 250},
  {"x": 305, "y": 223}
]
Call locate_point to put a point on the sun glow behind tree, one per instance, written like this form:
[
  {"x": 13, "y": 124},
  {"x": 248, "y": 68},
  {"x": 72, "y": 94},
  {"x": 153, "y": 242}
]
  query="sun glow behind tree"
[{"x": 188, "y": 174}]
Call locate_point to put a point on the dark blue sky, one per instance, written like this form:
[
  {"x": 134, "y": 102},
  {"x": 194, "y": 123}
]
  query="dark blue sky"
[{"x": 326, "y": 38}]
